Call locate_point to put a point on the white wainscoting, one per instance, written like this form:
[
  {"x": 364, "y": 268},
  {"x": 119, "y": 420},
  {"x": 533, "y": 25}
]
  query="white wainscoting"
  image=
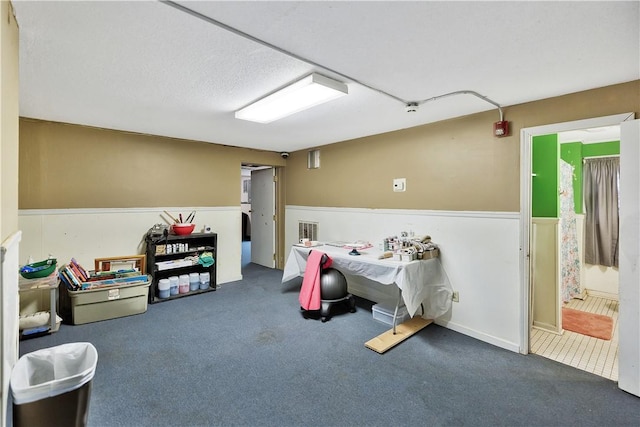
[
  {"x": 546, "y": 274},
  {"x": 86, "y": 234},
  {"x": 479, "y": 251},
  {"x": 601, "y": 281}
]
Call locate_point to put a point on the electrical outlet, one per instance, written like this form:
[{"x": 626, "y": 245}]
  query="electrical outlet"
[{"x": 455, "y": 297}]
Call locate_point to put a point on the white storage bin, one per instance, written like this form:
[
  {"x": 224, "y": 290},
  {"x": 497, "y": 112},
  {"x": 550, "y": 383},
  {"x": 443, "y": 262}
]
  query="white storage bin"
[
  {"x": 194, "y": 281},
  {"x": 384, "y": 314},
  {"x": 205, "y": 279},
  {"x": 163, "y": 288},
  {"x": 173, "y": 285},
  {"x": 183, "y": 283}
]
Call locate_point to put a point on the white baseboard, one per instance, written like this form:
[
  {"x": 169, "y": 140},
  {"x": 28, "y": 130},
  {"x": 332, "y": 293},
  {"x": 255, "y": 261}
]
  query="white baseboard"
[
  {"x": 498, "y": 342},
  {"x": 231, "y": 280},
  {"x": 547, "y": 328},
  {"x": 601, "y": 294}
]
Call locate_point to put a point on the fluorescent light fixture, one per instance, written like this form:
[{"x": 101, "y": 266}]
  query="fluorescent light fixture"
[{"x": 312, "y": 90}]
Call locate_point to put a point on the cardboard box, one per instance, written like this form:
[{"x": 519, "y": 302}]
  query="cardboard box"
[
  {"x": 104, "y": 303},
  {"x": 430, "y": 254}
]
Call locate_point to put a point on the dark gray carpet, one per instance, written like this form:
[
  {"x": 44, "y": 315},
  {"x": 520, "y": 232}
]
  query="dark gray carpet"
[{"x": 244, "y": 355}]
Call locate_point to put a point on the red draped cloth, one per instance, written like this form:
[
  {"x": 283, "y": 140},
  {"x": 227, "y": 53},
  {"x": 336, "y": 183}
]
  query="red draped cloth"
[{"x": 310, "y": 297}]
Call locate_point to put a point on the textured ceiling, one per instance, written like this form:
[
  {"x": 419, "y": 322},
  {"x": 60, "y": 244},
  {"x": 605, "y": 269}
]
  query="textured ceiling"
[{"x": 153, "y": 68}]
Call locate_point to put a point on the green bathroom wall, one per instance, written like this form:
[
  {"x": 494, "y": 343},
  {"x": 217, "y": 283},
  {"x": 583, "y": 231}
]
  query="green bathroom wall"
[
  {"x": 545, "y": 152},
  {"x": 545, "y": 183},
  {"x": 610, "y": 148}
]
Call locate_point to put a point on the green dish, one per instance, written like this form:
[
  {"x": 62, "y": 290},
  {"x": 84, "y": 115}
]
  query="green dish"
[{"x": 38, "y": 269}]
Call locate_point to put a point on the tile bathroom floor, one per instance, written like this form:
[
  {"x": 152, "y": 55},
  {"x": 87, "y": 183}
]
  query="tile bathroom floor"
[{"x": 590, "y": 354}]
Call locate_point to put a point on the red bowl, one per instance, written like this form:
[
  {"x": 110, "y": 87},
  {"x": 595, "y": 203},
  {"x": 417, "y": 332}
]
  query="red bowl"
[{"x": 182, "y": 229}]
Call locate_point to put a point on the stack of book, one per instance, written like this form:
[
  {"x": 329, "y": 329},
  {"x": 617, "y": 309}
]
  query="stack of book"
[
  {"x": 77, "y": 278},
  {"x": 73, "y": 275}
]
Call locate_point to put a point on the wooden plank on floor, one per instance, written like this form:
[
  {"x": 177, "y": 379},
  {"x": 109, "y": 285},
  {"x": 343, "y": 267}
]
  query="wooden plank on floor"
[{"x": 387, "y": 340}]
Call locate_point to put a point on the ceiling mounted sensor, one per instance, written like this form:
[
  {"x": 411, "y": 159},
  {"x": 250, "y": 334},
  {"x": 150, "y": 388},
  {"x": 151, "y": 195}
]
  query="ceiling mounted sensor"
[
  {"x": 411, "y": 107},
  {"x": 308, "y": 92}
]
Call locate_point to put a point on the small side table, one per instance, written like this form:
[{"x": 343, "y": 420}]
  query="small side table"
[{"x": 51, "y": 283}]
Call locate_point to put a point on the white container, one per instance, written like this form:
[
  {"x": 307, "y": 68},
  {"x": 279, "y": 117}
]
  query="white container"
[
  {"x": 408, "y": 257},
  {"x": 173, "y": 285},
  {"x": 205, "y": 280},
  {"x": 194, "y": 281},
  {"x": 384, "y": 314},
  {"x": 163, "y": 288},
  {"x": 183, "y": 283}
]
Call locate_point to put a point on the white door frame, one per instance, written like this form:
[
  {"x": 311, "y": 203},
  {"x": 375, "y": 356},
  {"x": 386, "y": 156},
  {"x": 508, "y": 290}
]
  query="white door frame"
[
  {"x": 629, "y": 317},
  {"x": 526, "y": 140}
]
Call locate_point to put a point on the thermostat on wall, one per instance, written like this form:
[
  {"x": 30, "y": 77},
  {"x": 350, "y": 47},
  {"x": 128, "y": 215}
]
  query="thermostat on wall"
[{"x": 399, "y": 184}]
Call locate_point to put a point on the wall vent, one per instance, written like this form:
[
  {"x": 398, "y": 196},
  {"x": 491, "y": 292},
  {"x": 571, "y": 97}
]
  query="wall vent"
[
  {"x": 307, "y": 230},
  {"x": 313, "y": 159}
]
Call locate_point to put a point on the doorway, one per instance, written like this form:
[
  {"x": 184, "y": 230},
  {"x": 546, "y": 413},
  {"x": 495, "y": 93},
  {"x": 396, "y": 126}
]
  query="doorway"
[
  {"x": 562, "y": 281},
  {"x": 629, "y": 353},
  {"x": 245, "y": 207},
  {"x": 258, "y": 206}
]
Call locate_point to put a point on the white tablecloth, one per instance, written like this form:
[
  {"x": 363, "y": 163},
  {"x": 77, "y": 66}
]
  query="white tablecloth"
[{"x": 421, "y": 282}]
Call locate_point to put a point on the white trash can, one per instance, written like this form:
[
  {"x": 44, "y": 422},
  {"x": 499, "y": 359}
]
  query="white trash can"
[{"x": 52, "y": 386}]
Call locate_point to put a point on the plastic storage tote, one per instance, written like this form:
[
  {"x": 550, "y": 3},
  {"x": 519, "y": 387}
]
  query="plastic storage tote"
[{"x": 52, "y": 386}]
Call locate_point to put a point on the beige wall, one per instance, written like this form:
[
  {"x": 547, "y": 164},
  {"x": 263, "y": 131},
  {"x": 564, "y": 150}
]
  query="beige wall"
[
  {"x": 8, "y": 122},
  {"x": 70, "y": 166},
  {"x": 450, "y": 165}
]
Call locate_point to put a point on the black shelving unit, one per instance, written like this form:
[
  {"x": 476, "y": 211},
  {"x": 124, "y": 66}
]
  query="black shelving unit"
[{"x": 194, "y": 245}]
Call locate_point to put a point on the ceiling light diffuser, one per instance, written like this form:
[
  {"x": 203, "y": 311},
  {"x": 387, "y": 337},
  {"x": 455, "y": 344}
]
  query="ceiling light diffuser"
[{"x": 308, "y": 92}]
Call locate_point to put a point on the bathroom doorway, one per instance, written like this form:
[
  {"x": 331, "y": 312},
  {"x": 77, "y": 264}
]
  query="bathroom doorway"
[
  {"x": 562, "y": 281},
  {"x": 629, "y": 318}
]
